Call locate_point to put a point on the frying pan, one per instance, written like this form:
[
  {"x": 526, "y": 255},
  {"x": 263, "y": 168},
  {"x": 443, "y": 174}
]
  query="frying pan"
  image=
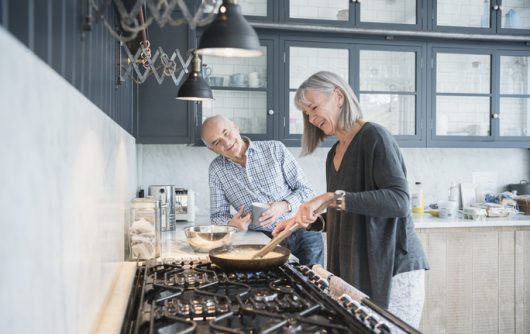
[{"x": 247, "y": 264}]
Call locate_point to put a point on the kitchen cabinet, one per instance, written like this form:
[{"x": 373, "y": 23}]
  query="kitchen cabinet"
[
  {"x": 478, "y": 281},
  {"x": 481, "y": 16},
  {"x": 479, "y": 97},
  {"x": 161, "y": 118},
  {"x": 244, "y": 90}
]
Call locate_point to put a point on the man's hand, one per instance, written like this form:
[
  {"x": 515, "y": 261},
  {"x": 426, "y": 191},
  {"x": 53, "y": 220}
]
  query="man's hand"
[
  {"x": 271, "y": 215},
  {"x": 241, "y": 220}
]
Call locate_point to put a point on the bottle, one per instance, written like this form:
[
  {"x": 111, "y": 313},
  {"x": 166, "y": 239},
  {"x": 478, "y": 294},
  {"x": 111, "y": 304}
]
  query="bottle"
[
  {"x": 418, "y": 201},
  {"x": 453, "y": 192}
]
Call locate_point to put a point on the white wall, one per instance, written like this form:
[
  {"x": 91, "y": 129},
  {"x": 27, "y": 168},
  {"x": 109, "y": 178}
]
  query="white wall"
[
  {"x": 66, "y": 173},
  {"x": 436, "y": 168}
]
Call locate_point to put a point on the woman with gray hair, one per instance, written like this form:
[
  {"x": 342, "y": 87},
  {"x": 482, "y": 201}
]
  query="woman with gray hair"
[{"x": 374, "y": 245}]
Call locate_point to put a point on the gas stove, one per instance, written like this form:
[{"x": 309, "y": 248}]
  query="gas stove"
[{"x": 195, "y": 296}]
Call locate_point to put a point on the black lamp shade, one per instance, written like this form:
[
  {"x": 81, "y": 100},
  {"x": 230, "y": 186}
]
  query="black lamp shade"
[
  {"x": 229, "y": 35},
  {"x": 194, "y": 89}
]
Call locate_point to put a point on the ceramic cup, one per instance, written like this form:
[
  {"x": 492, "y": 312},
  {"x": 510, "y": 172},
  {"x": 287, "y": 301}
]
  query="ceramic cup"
[
  {"x": 257, "y": 210},
  {"x": 254, "y": 80},
  {"x": 237, "y": 80},
  {"x": 216, "y": 81}
]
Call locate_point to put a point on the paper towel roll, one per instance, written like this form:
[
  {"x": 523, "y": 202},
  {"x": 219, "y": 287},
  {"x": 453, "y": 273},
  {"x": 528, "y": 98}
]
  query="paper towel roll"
[
  {"x": 338, "y": 287},
  {"x": 320, "y": 271}
]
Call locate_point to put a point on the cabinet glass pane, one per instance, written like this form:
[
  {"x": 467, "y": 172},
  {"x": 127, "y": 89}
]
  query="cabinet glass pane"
[
  {"x": 515, "y": 14},
  {"x": 462, "y": 115},
  {"x": 253, "y": 7},
  {"x": 337, "y": 10},
  {"x": 303, "y": 62},
  {"x": 515, "y": 116},
  {"x": 236, "y": 72},
  {"x": 458, "y": 13},
  {"x": 389, "y": 11},
  {"x": 248, "y": 109},
  {"x": 463, "y": 73},
  {"x": 395, "y": 112},
  {"x": 387, "y": 71},
  {"x": 515, "y": 75},
  {"x": 296, "y": 120}
]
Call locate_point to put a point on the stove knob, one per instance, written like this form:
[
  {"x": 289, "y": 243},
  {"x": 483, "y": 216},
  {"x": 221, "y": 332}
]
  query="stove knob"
[
  {"x": 304, "y": 269},
  {"x": 322, "y": 284}
]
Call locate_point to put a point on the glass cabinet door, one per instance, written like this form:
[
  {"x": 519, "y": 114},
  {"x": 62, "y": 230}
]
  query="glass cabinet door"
[
  {"x": 388, "y": 11},
  {"x": 239, "y": 87},
  {"x": 253, "y": 7},
  {"x": 514, "y": 109},
  {"x": 305, "y": 61},
  {"x": 515, "y": 14},
  {"x": 337, "y": 10},
  {"x": 462, "y": 94},
  {"x": 458, "y": 13},
  {"x": 388, "y": 90}
]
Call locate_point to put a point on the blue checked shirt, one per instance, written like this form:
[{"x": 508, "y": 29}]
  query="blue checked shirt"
[{"x": 271, "y": 175}]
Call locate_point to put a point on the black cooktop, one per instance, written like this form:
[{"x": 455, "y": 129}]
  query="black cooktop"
[{"x": 199, "y": 297}]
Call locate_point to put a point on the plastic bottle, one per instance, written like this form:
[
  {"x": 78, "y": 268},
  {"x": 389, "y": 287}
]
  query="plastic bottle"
[{"x": 417, "y": 201}]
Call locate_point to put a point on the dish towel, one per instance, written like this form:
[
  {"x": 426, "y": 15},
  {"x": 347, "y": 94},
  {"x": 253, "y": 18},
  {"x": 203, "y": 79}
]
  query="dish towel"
[{"x": 337, "y": 286}]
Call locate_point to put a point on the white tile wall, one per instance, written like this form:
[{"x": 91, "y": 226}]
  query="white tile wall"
[{"x": 67, "y": 172}]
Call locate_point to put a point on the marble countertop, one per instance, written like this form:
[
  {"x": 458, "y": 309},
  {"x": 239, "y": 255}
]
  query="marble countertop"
[{"x": 428, "y": 221}]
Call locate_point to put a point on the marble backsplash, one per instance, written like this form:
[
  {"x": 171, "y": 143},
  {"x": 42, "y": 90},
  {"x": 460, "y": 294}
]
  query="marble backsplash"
[
  {"x": 435, "y": 168},
  {"x": 67, "y": 173}
]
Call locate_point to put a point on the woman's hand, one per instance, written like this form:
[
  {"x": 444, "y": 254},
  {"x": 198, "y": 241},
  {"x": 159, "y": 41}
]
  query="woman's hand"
[
  {"x": 282, "y": 226},
  {"x": 241, "y": 220},
  {"x": 275, "y": 210}
]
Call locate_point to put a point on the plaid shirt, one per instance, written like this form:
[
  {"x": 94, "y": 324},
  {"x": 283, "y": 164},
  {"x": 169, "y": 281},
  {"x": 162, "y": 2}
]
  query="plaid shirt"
[{"x": 271, "y": 175}]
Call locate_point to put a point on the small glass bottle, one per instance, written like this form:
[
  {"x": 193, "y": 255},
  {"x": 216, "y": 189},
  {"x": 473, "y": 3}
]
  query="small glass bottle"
[
  {"x": 144, "y": 229},
  {"x": 417, "y": 198}
]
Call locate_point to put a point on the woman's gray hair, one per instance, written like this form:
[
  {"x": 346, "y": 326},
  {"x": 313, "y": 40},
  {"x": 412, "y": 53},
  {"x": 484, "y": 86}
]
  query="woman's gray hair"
[{"x": 326, "y": 82}]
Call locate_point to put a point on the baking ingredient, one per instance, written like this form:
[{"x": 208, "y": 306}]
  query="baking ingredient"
[{"x": 247, "y": 254}]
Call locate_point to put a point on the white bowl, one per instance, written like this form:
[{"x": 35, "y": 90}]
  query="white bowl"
[{"x": 207, "y": 237}]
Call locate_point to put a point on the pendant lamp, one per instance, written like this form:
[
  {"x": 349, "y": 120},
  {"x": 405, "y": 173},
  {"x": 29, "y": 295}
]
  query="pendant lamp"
[
  {"x": 229, "y": 35},
  {"x": 195, "y": 87}
]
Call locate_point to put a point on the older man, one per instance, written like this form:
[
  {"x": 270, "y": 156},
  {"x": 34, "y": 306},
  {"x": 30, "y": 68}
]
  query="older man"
[{"x": 261, "y": 171}]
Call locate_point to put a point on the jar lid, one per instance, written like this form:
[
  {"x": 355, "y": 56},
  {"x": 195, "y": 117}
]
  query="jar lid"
[{"x": 145, "y": 202}]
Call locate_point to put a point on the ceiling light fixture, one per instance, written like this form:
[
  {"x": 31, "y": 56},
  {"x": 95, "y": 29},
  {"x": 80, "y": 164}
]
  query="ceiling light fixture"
[
  {"x": 229, "y": 35},
  {"x": 195, "y": 87}
]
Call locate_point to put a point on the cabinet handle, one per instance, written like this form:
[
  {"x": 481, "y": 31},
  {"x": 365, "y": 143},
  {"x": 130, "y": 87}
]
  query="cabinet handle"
[
  {"x": 500, "y": 7},
  {"x": 270, "y": 112},
  {"x": 496, "y": 7},
  {"x": 496, "y": 116}
]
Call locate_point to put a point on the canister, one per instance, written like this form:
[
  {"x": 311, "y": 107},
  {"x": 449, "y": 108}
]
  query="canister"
[{"x": 144, "y": 229}]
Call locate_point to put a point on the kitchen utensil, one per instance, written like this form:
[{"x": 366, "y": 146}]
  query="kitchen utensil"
[
  {"x": 522, "y": 188},
  {"x": 226, "y": 257},
  {"x": 338, "y": 198},
  {"x": 207, "y": 237}
]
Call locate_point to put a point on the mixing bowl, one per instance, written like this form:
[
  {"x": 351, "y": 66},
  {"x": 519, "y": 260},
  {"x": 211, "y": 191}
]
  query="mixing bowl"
[{"x": 204, "y": 238}]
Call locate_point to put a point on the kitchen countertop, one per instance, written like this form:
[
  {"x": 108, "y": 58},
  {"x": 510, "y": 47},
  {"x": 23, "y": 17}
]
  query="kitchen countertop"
[{"x": 428, "y": 221}]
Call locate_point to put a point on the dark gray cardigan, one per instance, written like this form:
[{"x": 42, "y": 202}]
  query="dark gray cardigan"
[{"x": 375, "y": 239}]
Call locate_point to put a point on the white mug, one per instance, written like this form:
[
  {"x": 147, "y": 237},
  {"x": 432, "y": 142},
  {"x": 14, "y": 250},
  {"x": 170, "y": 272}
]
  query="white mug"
[{"x": 253, "y": 80}]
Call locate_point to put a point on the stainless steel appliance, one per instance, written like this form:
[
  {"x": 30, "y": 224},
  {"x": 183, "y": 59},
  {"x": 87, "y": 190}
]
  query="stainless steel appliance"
[
  {"x": 184, "y": 203},
  {"x": 164, "y": 195},
  {"x": 196, "y": 296}
]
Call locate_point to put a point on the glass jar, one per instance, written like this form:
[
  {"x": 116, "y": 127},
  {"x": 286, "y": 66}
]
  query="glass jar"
[{"x": 144, "y": 229}]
